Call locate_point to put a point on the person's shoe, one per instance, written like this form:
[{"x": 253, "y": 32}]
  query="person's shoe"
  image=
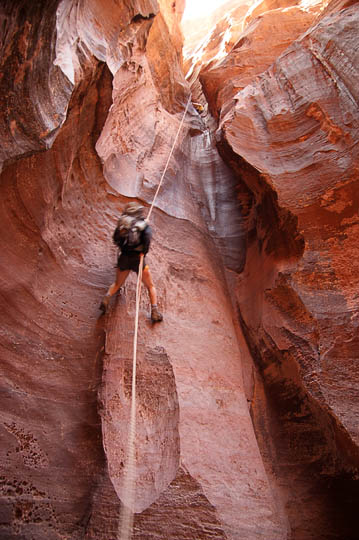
[
  {"x": 156, "y": 316},
  {"x": 104, "y": 304}
]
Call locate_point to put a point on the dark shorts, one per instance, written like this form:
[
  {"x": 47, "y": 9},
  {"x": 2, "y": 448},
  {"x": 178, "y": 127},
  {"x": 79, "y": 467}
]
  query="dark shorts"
[{"x": 130, "y": 262}]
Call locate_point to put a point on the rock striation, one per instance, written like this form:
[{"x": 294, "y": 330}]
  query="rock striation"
[
  {"x": 298, "y": 119},
  {"x": 246, "y": 392},
  {"x": 313, "y": 174}
]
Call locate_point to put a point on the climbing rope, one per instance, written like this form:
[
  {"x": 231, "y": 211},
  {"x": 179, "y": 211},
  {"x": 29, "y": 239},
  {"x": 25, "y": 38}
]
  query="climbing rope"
[
  {"x": 126, "y": 515},
  {"x": 168, "y": 160}
]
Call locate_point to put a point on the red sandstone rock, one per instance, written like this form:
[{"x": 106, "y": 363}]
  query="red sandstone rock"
[
  {"x": 59, "y": 210},
  {"x": 202, "y": 472},
  {"x": 217, "y": 446},
  {"x": 27, "y": 80},
  {"x": 210, "y": 40},
  {"x": 253, "y": 52},
  {"x": 297, "y": 124}
]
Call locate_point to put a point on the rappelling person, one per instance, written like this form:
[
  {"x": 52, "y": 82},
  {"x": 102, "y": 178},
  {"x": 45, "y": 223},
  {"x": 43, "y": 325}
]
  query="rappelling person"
[{"x": 133, "y": 236}]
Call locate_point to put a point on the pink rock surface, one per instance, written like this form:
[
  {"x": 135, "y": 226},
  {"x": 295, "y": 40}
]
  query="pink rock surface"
[
  {"x": 298, "y": 126},
  {"x": 252, "y": 52},
  {"x": 247, "y": 413},
  {"x": 217, "y": 444},
  {"x": 34, "y": 76},
  {"x": 59, "y": 210},
  {"x": 316, "y": 110},
  {"x": 157, "y": 438}
]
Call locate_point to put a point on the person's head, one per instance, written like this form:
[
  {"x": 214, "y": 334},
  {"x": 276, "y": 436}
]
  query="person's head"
[{"x": 134, "y": 209}]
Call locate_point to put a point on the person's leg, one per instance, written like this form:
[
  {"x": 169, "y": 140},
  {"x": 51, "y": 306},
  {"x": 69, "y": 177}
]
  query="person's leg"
[
  {"x": 121, "y": 276},
  {"x": 147, "y": 280},
  {"x": 156, "y": 316},
  {"x": 120, "y": 280}
]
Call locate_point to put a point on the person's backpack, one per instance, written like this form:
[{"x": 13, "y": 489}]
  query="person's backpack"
[{"x": 128, "y": 232}]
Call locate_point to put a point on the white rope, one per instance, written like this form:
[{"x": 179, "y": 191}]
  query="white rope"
[{"x": 126, "y": 515}]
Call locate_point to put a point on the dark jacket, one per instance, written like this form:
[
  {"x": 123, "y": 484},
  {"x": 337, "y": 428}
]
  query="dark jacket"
[{"x": 142, "y": 247}]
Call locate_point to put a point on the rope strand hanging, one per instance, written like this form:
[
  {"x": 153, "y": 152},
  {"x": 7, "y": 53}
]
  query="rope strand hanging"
[
  {"x": 168, "y": 160},
  {"x": 126, "y": 515}
]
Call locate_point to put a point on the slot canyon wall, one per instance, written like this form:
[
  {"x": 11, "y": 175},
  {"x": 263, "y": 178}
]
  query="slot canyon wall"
[{"x": 247, "y": 417}]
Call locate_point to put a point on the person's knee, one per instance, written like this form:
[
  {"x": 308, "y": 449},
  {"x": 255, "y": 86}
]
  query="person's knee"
[
  {"x": 147, "y": 278},
  {"x": 146, "y": 274}
]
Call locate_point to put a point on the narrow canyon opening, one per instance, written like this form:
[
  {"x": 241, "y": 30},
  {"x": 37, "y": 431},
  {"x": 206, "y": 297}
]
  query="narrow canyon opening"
[{"x": 247, "y": 411}]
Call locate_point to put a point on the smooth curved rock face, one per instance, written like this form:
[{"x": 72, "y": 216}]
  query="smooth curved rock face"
[
  {"x": 244, "y": 43},
  {"x": 51, "y": 451},
  {"x": 316, "y": 114},
  {"x": 59, "y": 209},
  {"x": 64, "y": 386},
  {"x": 217, "y": 445},
  {"x": 157, "y": 411},
  {"x": 298, "y": 125},
  {"x": 106, "y": 29},
  {"x": 253, "y": 52},
  {"x": 172, "y": 13},
  {"x": 29, "y": 78},
  {"x": 214, "y": 187}
]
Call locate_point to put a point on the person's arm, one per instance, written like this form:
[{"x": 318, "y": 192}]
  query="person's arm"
[
  {"x": 117, "y": 238},
  {"x": 146, "y": 239}
]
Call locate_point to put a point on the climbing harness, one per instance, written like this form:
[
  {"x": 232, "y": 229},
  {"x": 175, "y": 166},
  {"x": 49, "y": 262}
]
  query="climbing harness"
[{"x": 126, "y": 515}]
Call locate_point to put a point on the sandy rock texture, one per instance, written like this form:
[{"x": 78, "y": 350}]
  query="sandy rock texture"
[
  {"x": 34, "y": 76},
  {"x": 195, "y": 406},
  {"x": 118, "y": 100},
  {"x": 299, "y": 131},
  {"x": 243, "y": 44},
  {"x": 313, "y": 172},
  {"x": 252, "y": 52},
  {"x": 246, "y": 392},
  {"x": 289, "y": 134}
]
